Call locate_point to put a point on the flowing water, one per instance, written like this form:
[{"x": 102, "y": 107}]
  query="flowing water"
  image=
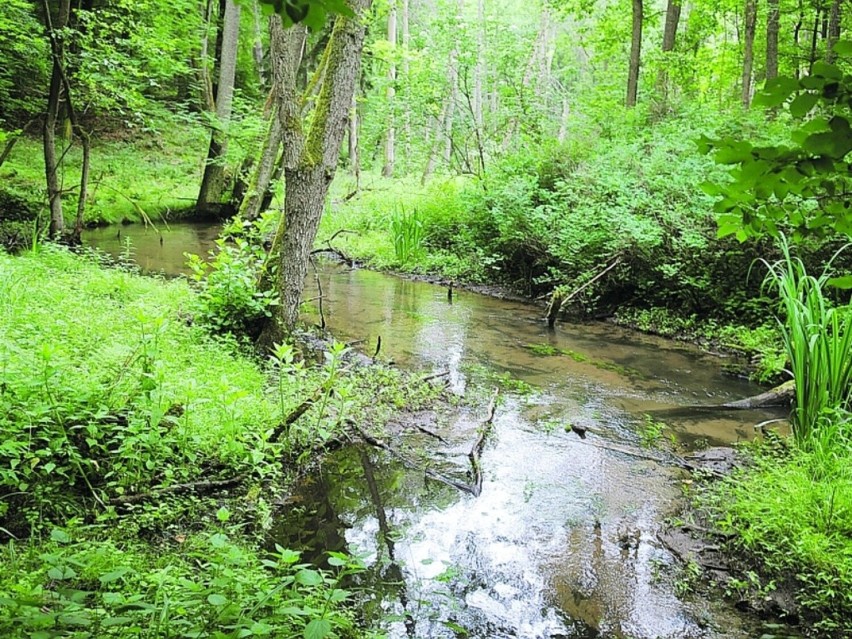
[{"x": 562, "y": 541}]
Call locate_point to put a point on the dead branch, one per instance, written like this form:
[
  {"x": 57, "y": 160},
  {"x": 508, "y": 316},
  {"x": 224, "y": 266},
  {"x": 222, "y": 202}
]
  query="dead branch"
[
  {"x": 284, "y": 427},
  {"x": 476, "y": 450},
  {"x": 194, "y": 486},
  {"x": 558, "y": 302}
]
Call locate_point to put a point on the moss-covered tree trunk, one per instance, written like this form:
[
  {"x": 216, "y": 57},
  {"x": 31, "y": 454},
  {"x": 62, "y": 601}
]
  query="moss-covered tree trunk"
[
  {"x": 748, "y": 49},
  {"x": 310, "y": 157}
]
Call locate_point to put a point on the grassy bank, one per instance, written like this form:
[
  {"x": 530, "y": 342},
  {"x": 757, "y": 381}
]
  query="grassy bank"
[
  {"x": 790, "y": 514},
  {"x": 151, "y": 174},
  {"x": 141, "y": 457}
]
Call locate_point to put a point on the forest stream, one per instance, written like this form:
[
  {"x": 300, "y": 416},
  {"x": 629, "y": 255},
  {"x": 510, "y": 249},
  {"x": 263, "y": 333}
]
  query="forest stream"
[{"x": 562, "y": 541}]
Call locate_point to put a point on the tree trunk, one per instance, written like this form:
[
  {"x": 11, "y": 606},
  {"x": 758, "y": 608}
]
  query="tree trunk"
[
  {"x": 213, "y": 182},
  {"x": 390, "y": 134},
  {"x": 354, "y": 154},
  {"x": 261, "y": 183},
  {"x": 772, "y": 20},
  {"x": 51, "y": 161},
  {"x": 479, "y": 70},
  {"x": 833, "y": 32},
  {"x": 814, "y": 36},
  {"x": 406, "y": 103},
  {"x": 257, "y": 47},
  {"x": 635, "y": 54},
  {"x": 669, "y": 38},
  {"x": 748, "y": 49},
  {"x": 310, "y": 170},
  {"x": 204, "y": 66}
]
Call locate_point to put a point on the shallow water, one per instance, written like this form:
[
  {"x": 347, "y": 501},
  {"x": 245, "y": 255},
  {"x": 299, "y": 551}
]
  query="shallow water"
[{"x": 562, "y": 540}]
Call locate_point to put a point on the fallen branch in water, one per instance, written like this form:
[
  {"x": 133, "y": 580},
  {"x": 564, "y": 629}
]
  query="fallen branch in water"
[
  {"x": 194, "y": 486},
  {"x": 428, "y": 472},
  {"x": 558, "y": 302},
  {"x": 479, "y": 444}
]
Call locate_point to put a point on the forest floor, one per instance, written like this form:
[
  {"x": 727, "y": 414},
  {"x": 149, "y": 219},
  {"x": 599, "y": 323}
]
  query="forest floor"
[{"x": 143, "y": 460}]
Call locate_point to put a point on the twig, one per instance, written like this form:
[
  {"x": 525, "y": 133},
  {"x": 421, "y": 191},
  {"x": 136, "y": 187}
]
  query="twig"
[
  {"x": 378, "y": 347},
  {"x": 294, "y": 415},
  {"x": 319, "y": 298},
  {"x": 435, "y": 376},
  {"x": 558, "y": 302},
  {"x": 194, "y": 486}
]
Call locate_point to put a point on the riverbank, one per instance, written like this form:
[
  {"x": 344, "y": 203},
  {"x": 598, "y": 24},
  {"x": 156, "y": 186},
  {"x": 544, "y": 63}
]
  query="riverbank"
[
  {"x": 405, "y": 229},
  {"x": 144, "y": 460},
  {"x": 771, "y": 525}
]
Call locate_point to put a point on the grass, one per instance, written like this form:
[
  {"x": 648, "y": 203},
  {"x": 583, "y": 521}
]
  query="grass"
[
  {"x": 818, "y": 341},
  {"x": 111, "y": 388},
  {"x": 792, "y": 516},
  {"x": 157, "y": 173}
]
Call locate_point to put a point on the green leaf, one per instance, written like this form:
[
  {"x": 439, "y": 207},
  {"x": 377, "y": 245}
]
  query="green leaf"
[
  {"x": 217, "y": 599},
  {"x": 317, "y": 629},
  {"x": 844, "y": 282},
  {"x": 309, "y": 577},
  {"x": 114, "y": 575},
  {"x": 59, "y": 535},
  {"x": 802, "y": 104}
]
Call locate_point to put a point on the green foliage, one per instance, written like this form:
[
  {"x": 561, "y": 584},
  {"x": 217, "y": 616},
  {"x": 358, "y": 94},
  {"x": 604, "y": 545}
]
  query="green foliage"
[
  {"x": 24, "y": 58},
  {"x": 231, "y": 298},
  {"x": 105, "y": 391},
  {"x": 792, "y": 515},
  {"x": 801, "y": 185},
  {"x": 210, "y": 586},
  {"x": 407, "y": 230},
  {"x": 818, "y": 341}
]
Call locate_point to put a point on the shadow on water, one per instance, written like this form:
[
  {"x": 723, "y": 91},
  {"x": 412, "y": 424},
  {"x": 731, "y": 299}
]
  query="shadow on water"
[{"x": 562, "y": 542}]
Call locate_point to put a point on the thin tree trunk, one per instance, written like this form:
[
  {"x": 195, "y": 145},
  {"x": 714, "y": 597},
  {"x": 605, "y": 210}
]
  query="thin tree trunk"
[
  {"x": 834, "y": 25},
  {"x": 814, "y": 36},
  {"x": 669, "y": 39},
  {"x": 213, "y": 182},
  {"x": 354, "y": 154},
  {"x": 635, "y": 54},
  {"x": 309, "y": 172},
  {"x": 772, "y": 20},
  {"x": 204, "y": 70},
  {"x": 390, "y": 134},
  {"x": 563, "y": 121},
  {"x": 257, "y": 47},
  {"x": 252, "y": 204},
  {"x": 431, "y": 137},
  {"x": 406, "y": 103},
  {"x": 479, "y": 70},
  {"x": 796, "y": 31},
  {"x": 748, "y": 49},
  {"x": 51, "y": 161}
]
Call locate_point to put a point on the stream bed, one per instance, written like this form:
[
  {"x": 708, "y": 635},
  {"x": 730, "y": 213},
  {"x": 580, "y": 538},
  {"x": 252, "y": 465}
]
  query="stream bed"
[{"x": 562, "y": 541}]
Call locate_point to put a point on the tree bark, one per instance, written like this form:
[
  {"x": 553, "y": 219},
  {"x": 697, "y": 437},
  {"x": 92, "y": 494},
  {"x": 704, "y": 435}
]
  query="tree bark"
[
  {"x": 390, "y": 134},
  {"x": 51, "y": 161},
  {"x": 748, "y": 49},
  {"x": 772, "y": 21},
  {"x": 635, "y": 54},
  {"x": 669, "y": 39},
  {"x": 257, "y": 47},
  {"x": 311, "y": 158},
  {"x": 814, "y": 37},
  {"x": 354, "y": 153},
  {"x": 213, "y": 182},
  {"x": 261, "y": 182},
  {"x": 833, "y": 31}
]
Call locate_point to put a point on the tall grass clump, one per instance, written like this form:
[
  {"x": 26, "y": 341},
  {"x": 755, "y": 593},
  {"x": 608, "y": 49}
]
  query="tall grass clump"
[
  {"x": 407, "y": 230},
  {"x": 818, "y": 341}
]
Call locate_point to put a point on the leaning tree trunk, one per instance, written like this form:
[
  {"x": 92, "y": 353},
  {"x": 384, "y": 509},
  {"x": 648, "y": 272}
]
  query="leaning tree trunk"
[
  {"x": 261, "y": 181},
  {"x": 748, "y": 50},
  {"x": 213, "y": 182},
  {"x": 311, "y": 158},
  {"x": 772, "y": 20},
  {"x": 635, "y": 54}
]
